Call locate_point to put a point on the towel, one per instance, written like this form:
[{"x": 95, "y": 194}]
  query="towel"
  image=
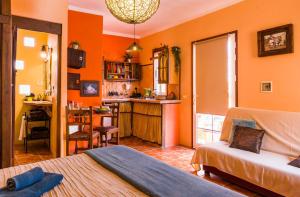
[
  {"x": 24, "y": 180},
  {"x": 49, "y": 181},
  {"x": 22, "y": 133}
]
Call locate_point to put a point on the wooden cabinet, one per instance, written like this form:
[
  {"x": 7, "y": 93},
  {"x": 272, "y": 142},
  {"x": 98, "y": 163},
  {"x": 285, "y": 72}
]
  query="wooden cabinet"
[
  {"x": 121, "y": 71},
  {"x": 163, "y": 66},
  {"x": 76, "y": 58}
]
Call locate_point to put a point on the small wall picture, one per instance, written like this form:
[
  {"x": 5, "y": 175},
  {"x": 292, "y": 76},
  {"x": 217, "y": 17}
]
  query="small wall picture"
[
  {"x": 89, "y": 88},
  {"x": 73, "y": 81},
  {"x": 266, "y": 86},
  {"x": 274, "y": 41}
]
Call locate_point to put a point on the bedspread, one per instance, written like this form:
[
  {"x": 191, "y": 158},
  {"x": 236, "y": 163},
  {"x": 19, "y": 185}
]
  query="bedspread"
[{"x": 82, "y": 177}]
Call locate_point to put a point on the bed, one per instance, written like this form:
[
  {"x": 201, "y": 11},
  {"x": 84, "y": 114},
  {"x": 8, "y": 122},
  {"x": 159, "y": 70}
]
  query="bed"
[{"x": 86, "y": 175}]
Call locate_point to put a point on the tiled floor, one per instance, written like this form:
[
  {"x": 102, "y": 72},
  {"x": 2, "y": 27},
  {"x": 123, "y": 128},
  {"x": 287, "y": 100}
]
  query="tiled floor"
[
  {"x": 37, "y": 151},
  {"x": 178, "y": 156}
]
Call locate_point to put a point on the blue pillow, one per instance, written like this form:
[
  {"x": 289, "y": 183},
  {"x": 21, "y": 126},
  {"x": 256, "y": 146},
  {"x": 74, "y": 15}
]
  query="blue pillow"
[{"x": 241, "y": 123}]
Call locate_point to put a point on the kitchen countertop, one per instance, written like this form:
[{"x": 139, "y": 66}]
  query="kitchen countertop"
[{"x": 156, "y": 101}]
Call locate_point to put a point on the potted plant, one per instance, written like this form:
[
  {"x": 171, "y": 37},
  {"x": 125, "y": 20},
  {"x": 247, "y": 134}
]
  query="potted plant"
[
  {"x": 176, "y": 53},
  {"x": 127, "y": 57},
  {"x": 75, "y": 44}
]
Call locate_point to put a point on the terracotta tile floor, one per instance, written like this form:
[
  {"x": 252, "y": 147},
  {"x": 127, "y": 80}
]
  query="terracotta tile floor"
[
  {"x": 178, "y": 156},
  {"x": 37, "y": 151}
]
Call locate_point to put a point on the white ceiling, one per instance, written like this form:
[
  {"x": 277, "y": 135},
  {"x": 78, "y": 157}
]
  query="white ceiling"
[{"x": 169, "y": 14}]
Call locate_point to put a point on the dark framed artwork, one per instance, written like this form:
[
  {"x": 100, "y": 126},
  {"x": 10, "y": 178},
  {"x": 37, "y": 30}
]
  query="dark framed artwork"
[
  {"x": 89, "y": 88},
  {"x": 73, "y": 81},
  {"x": 275, "y": 41},
  {"x": 266, "y": 86}
]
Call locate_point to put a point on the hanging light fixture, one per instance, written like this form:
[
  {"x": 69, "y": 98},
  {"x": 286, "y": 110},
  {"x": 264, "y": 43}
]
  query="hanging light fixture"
[
  {"x": 132, "y": 11},
  {"x": 45, "y": 52},
  {"x": 134, "y": 46}
]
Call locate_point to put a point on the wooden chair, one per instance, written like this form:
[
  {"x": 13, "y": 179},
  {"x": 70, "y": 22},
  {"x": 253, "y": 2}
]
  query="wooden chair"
[
  {"x": 83, "y": 120},
  {"x": 111, "y": 131}
]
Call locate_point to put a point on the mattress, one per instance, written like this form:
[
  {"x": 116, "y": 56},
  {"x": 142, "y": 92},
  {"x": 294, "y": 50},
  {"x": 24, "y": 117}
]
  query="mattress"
[{"x": 83, "y": 176}]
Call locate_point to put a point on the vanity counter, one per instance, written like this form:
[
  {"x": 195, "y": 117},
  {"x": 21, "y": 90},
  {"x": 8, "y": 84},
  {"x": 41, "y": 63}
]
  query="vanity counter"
[
  {"x": 135, "y": 100},
  {"x": 38, "y": 103}
]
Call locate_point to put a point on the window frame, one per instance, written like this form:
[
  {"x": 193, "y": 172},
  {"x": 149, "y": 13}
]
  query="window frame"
[
  {"x": 213, "y": 125},
  {"x": 154, "y": 57}
]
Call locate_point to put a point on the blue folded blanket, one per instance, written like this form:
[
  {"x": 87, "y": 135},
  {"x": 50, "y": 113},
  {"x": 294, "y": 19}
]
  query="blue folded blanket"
[
  {"x": 26, "y": 179},
  {"x": 49, "y": 181},
  {"x": 153, "y": 177}
]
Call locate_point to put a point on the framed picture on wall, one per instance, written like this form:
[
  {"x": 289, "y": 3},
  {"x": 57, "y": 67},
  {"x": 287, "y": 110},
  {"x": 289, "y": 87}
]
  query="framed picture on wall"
[
  {"x": 266, "y": 86},
  {"x": 73, "y": 81},
  {"x": 275, "y": 41},
  {"x": 89, "y": 88}
]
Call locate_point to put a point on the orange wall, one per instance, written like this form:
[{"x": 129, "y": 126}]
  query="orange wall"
[
  {"x": 54, "y": 11},
  {"x": 247, "y": 17},
  {"x": 114, "y": 47},
  {"x": 87, "y": 29}
]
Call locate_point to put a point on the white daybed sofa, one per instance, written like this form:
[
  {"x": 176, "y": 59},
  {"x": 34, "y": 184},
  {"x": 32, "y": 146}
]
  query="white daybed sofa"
[{"x": 268, "y": 170}]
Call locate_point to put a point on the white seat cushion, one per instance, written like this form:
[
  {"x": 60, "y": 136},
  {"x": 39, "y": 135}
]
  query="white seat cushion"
[{"x": 267, "y": 169}]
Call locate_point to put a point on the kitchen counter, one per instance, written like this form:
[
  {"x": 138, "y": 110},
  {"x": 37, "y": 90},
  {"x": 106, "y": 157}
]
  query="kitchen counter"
[
  {"x": 155, "y": 101},
  {"x": 149, "y": 119}
]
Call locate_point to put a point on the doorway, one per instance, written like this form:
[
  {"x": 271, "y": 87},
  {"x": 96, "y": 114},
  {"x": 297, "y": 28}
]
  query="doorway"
[
  {"x": 214, "y": 85},
  {"x": 36, "y": 90}
]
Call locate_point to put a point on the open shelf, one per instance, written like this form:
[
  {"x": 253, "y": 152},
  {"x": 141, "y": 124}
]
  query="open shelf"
[{"x": 121, "y": 71}]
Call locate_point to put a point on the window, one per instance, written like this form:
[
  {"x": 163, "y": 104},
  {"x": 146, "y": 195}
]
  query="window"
[
  {"x": 210, "y": 122},
  {"x": 29, "y": 42},
  {"x": 214, "y": 86},
  {"x": 209, "y": 128},
  {"x": 160, "y": 89},
  {"x": 24, "y": 90},
  {"x": 19, "y": 65}
]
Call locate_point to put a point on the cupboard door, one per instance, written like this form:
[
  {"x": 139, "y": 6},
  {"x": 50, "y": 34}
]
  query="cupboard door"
[
  {"x": 163, "y": 67},
  {"x": 136, "y": 71},
  {"x": 76, "y": 58}
]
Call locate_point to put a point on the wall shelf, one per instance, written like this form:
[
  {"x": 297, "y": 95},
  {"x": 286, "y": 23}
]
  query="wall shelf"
[{"x": 121, "y": 71}]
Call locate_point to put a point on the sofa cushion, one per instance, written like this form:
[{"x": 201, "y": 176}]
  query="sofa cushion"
[
  {"x": 295, "y": 162},
  {"x": 248, "y": 139},
  {"x": 267, "y": 169},
  {"x": 242, "y": 123}
]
